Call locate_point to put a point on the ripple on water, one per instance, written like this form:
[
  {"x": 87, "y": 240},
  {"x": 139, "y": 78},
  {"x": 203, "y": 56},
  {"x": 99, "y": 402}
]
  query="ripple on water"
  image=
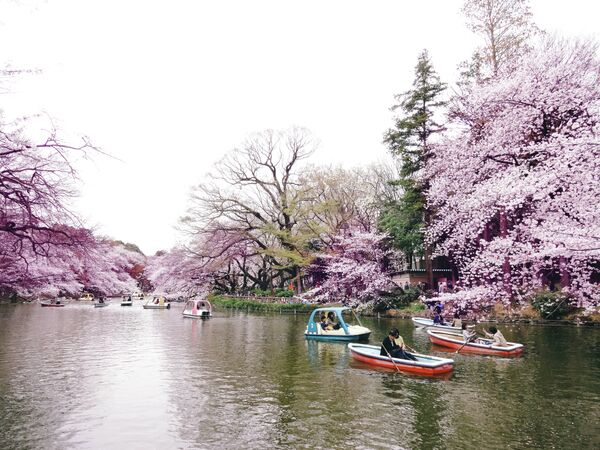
[{"x": 80, "y": 377}]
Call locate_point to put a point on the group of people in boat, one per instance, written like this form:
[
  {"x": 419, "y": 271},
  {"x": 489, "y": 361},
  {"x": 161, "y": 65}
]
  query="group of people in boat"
[
  {"x": 394, "y": 346},
  {"x": 328, "y": 322},
  {"x": 493, "y": 333},
  {"x": 438, "y": 319}
]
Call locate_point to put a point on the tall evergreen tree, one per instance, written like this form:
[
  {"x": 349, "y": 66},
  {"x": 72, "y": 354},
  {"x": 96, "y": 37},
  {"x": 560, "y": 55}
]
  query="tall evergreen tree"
[{"x": 410, "y": 141}]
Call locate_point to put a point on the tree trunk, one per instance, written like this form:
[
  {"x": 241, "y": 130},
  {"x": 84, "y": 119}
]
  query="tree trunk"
[
  {"x": 428, "y": 267},
  {"x": 506, "y": 263},
  {"x": 565, "y": 277}
]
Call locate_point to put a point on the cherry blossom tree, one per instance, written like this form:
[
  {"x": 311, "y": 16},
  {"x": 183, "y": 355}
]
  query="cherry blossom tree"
[
  {"x": 178, "y": 273},
  {"x": 354, "y": 270},
  {"x": 37, "y": 228},
  {"x": 108, "y": 267},
  {"x": 515, "y": 189},
  {"x": 101, "y": 266}
]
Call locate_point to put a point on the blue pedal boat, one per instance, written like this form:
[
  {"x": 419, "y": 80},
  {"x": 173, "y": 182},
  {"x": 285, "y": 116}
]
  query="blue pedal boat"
[{"x": 344, "y": 332}]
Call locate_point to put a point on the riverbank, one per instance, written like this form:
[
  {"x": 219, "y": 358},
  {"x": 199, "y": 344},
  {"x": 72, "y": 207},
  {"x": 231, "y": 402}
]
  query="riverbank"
[
  {"x": 415, "y": 309},
  {"x": 262, "y": 304},
  {"x": 525, "y": 315}
]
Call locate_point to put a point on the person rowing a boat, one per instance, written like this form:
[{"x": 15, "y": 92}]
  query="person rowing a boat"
[
  {"x": 496, "y": 336},
  {"x": 468, "y": 335},
  {"x": 393, "y": 346}
]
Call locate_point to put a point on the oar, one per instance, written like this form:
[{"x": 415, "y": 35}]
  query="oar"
[
  {"x": 410, "y": 348},
  {"x": 469, "y": 339},
  {"x": 391, "y": 359}
]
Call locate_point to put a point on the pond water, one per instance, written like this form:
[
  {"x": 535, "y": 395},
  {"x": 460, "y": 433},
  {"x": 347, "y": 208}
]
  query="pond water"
[{"x": 116, "y": 377}]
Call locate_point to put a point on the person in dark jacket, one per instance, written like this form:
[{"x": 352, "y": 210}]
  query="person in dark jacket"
[{"x": 393, "y": 345}]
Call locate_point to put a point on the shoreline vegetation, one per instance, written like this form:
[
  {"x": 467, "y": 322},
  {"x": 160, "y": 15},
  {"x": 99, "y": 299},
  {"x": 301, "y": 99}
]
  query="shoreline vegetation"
[
  {"x": 283, "y": 305},
  {"x": 269, "y": 304},
  {"x": 415, "y": 309}
]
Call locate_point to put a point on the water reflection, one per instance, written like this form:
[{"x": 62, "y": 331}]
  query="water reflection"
[{"x": 79, "y": 377}]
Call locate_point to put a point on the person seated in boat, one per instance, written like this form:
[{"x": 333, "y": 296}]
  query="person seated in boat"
[
  {"x": 496, "y": 336},
  {"x": 156, "y": 300},
  {"x": 437, "y": 316},
  {"x": 323, "y": 322},
  {"x": 456, "y": 322},
  {"x": 468, "y": 335},
  {"x": 331, "y": 324},
  {"x": 101, "y": 300},
  {"x": 393, "y": 345}
]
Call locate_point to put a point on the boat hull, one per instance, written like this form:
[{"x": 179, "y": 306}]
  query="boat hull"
[
  {"x": 338, "y": 337},
  {"x": 52, "y": 305},
  {"x": 456, "y": 343},
  {"x": 189, "y": 315},
  {"x": 126, "y": 303},
  {"x": 428, "y": 323},
  {"x": 100, "y": 305},
  {"x": 157, "y": 306},
  {"x": 425, "y": 365}
]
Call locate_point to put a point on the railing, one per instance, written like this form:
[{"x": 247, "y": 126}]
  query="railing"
[{"x": 271, "y": 299}]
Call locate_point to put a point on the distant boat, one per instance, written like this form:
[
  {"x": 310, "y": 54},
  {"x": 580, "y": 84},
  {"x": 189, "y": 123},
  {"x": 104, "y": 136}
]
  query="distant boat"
[
  {"x": 86, "y": 296},
  {"x": 157, "y": 303},
  {"x": 101, "y": 303},
  {"x": 127, "y": 301},
  {"x": 480, "y": 345},
  {"x": 343, "y": 332},
  {"x": 198, "y": 309},
  {"x": 423, "y": 365},
  {"x": 52, "y": 304}
]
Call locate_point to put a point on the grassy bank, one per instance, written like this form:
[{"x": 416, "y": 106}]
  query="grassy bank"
[{"x": 258, "y": 305}]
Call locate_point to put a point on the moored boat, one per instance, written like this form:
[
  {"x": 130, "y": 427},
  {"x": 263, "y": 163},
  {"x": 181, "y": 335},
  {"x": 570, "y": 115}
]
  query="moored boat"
[
  {"x": 428, "y": 323},
  {"x": 424, "y": 364},
  {"x": 197, "y": 309},
  {"x": 341, "y": 331},
  {"x": 86, "y": 296},
  {"x": 157, "y": 303},
  {"x": 100, "y": 304},
  {"x": 479, "y": 346},
  {"x": 127, "y": 301}
]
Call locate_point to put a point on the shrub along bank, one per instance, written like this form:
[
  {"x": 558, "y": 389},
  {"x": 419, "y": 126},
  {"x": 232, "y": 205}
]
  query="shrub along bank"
[{"x": 261, "y": 305}]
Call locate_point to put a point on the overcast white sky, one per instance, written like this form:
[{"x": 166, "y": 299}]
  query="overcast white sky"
[{"x": 169, "y": 86}]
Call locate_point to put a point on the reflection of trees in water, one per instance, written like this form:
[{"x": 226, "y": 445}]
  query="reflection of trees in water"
[
  {"x": 420, "y": 408},
  {"x": 44, "y": 379},
  {"x": 326, "y": 354}
]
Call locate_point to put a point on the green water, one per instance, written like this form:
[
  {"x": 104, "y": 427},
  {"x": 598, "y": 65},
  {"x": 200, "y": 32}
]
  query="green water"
[{"x": 116, "y": 378}]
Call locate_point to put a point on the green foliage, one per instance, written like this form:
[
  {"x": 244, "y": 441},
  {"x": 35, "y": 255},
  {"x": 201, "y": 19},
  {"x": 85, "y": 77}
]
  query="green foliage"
[
  {"x": 399, "y": 299},
  {"x": 409, "y": 141},
  {"x": 552, "y": 305},
  {"x": 414, "y": 307},
  {"x": 282, "y": 292},
  {"x": 403, "y": 222},
  {"x": 262, "y": 292},
  {"x": 233, "y": 303}
]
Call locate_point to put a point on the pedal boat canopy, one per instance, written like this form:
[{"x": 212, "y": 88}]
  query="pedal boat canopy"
[{"x": 345, "y": 331}]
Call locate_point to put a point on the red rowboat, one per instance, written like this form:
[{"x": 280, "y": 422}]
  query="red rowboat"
[
  {"x": 424, "y": 365},
  {"x": 480, "y": 346}
]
